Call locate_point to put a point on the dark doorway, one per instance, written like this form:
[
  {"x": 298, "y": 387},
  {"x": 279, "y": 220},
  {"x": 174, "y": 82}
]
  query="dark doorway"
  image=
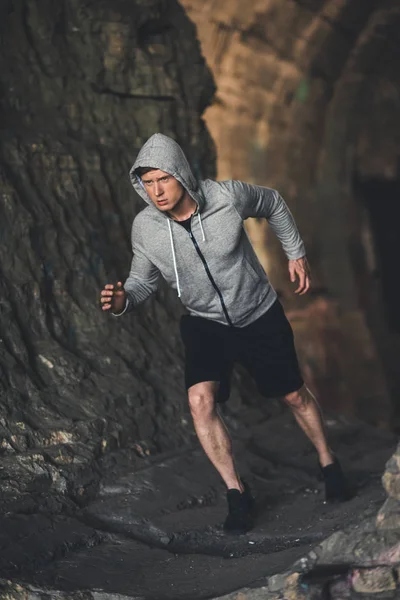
[{"x": 382, "y": 201}]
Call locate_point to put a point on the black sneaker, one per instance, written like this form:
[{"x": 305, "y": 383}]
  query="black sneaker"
[
  {"x": 337, "y": 488},
  {"x": 240, "y": 515}
]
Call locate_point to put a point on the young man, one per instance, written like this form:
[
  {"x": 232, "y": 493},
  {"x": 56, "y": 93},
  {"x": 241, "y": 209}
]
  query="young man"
[{"x": 192, "y": 234}]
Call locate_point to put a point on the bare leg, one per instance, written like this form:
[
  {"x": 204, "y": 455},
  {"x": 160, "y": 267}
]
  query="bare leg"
[
  {"x": 308, "y": 415},
  {"x": 212, "y": 432}
]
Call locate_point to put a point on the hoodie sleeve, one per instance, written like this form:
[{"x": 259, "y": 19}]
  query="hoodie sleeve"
[
  {"x": 257, "y": 201},
  {"x": 143, "y": 276}
]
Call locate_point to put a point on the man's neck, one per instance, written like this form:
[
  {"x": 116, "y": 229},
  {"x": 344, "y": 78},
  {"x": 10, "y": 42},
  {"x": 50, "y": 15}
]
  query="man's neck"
[{"x": 184, "y": 208}]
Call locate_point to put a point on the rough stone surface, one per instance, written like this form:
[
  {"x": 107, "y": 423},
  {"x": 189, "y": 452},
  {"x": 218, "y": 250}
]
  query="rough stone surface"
[
  {"x": 388, "y": 516},
  {"x": 277, "y": 582},
  {"x": 340, "y": 589},
  {"x": 155, "y": 532},
  {"x": 373, "y": 581},
  {"x": 85, "y": 85},
  {"x": 391, "y": 483}
]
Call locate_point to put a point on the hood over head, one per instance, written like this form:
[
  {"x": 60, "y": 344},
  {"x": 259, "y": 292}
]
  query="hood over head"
[{"x": 164, "y": 153}]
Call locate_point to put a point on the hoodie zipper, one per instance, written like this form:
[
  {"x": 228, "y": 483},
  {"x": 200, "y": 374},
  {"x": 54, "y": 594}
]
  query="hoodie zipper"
[{"x": 216, "y": 288}]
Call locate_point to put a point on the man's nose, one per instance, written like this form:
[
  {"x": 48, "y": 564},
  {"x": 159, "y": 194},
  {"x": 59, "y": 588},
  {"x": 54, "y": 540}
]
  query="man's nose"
[{"x": 157, "y": 189}]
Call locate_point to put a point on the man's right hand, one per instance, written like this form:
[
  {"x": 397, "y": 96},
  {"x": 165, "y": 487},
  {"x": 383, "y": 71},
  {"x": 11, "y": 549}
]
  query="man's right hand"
[{"x": 113, "y": 297}]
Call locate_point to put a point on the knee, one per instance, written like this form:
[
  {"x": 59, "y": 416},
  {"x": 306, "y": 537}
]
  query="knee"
[
  {"x": 298, "y": 400},
  {"x": 202, "y": 404}
]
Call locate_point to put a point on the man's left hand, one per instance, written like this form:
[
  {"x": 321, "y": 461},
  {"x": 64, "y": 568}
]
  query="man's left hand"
[{"x": 300, "y": 268}]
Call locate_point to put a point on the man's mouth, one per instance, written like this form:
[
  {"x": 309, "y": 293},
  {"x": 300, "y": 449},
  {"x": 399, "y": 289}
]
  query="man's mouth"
[{"x": 162, "y": 201}]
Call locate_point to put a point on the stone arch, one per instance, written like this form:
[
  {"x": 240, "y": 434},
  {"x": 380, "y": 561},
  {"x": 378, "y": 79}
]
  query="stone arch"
[
  {"x": 347, "y": 246},
  {"x": 335, "y": 169}
]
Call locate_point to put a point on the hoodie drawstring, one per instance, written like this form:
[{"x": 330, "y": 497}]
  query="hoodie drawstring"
[
  {"x": 201, "y": 227},
  {"x": 174, "y": 258}
]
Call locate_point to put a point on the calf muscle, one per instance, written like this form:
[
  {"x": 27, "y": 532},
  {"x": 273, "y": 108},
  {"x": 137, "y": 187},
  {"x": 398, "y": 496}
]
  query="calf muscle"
[{"x": 212, "y": 432}]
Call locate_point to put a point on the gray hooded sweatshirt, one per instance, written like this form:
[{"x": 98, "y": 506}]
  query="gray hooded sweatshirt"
[{"x": 214, "y": 268}]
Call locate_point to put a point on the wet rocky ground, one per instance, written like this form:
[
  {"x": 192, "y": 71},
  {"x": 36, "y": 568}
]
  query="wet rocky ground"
[{"x": 154, "y": 532}]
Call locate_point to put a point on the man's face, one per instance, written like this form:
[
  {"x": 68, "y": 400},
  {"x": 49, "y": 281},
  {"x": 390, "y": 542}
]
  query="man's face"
[{"x": 164, "y": 190}]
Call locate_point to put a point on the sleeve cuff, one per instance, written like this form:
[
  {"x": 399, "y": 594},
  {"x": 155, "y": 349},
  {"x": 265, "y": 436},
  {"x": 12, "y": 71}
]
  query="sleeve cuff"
[
  {"x": 299, "y": 253},
  {"x": 124, "y": 311}
]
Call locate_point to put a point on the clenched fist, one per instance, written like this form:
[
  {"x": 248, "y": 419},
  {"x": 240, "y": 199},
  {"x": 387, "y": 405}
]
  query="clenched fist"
[{"x": 114, "y": 297}]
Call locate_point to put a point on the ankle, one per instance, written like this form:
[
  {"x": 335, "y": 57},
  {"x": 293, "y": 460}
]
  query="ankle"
[
  {"x": 235, "y": 484},
  {"x": 326, "y": 458}
]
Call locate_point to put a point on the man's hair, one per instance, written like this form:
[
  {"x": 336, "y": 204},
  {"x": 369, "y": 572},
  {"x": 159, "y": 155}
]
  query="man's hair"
[{"x": 143, "y": 170}]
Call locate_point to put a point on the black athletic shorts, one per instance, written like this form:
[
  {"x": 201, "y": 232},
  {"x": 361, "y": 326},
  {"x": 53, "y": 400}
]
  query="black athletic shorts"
[{"x": 265, "y": 348}]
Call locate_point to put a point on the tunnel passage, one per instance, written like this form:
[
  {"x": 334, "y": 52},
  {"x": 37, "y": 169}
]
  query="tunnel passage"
[{"x": 381, "y": 198}]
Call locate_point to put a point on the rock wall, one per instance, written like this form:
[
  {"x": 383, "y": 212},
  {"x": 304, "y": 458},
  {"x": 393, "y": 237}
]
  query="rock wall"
[
  {"x": 84, "y": 85},
  {"x": 307, "y": 102}
]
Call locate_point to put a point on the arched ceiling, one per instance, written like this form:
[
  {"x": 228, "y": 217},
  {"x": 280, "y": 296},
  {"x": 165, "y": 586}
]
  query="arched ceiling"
[
  {"x": 292, "y": 80},
  {"x": 308, "y": 102}
]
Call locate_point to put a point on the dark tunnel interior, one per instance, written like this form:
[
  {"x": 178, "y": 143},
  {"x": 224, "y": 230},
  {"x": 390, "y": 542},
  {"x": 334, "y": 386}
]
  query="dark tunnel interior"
[{"x": 382, "y": 201}]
